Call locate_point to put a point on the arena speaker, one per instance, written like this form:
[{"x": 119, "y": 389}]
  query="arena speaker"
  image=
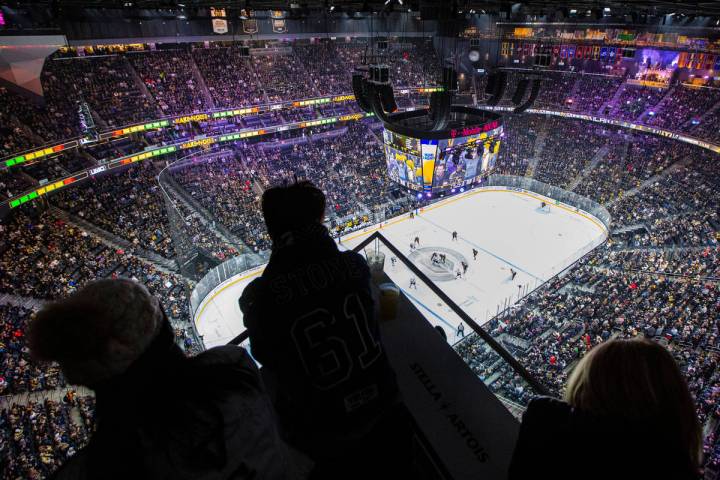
[
  {"x": 440, "y": 105},
  {"x": 449, "y": 79},
  {"x": 534, "y": 92},
  {"x": 498, "y": 90},
  {"x": 520, "y": 91},
  {"x": 359, "y": 90},
  {"x": 387, "y": 97}
]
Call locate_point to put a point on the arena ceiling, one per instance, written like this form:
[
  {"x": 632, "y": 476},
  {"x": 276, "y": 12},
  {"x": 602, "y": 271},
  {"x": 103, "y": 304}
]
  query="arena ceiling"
[{"x": 534, "y": 7}]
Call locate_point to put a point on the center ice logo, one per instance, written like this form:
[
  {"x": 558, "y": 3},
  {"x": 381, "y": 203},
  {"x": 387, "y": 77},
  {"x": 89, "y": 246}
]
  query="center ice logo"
[{"x": 438, "y": 263}]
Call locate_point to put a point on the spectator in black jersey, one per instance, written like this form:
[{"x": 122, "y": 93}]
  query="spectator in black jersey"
[
  {"x": 627, "y": 414},
  {"x": 159, "y": 414},
  {"x": 312, "y": 325}
]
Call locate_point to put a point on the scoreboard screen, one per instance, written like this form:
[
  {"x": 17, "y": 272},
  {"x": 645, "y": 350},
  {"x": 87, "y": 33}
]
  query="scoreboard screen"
[
  {"x": 462, "y": 161},
  {"x": 402, "y": 154},
  {"x": 426, "y": 165}
]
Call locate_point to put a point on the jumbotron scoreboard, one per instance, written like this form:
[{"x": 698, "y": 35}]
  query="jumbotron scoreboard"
[{"x": 434, "y": 162}]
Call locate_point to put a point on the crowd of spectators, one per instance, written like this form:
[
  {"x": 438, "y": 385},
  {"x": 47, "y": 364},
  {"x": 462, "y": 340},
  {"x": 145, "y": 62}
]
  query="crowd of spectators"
[
  {"x": 13, "y": 183},
  {"x": 706, "y": 127},
  {"x": 592, "y": 91},
  {"x": 563, "y": 157},
  {"x": 224, "y": 186},
  {"x": 201, "y": 236},
  {"x": 128, "y": 203},
  {"x": 681, "y": 106},
  {"x": 106, "y": 83},
  {"x": 683, "y": 191},
  {"x": 330, "y": 65},
  {"x": 631, "y": 160},
  {"x": 168, "y": 75},
  {"x": 19, "y": 373},
  {"x": 229, "y": 76},
  {"x": 517, "y": 150},
  {"x": 556, "y": 89},
  {"x": 635, "y": 99},
  {"x": 39, "y": 436},
  {"x": 14, "y": 136},
  {"x": 44, "y": 257},
  {"x": 283, "y": 77},
  {"x": 413, "y": 64},
  {"x": 348, "y": 164}
]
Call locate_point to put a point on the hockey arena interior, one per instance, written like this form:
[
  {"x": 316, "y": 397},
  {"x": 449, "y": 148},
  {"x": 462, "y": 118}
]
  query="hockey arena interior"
[{"x": 517, "y": 203}]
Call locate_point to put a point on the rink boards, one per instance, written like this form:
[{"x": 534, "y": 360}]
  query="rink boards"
[{"x": 506, "y": 227}]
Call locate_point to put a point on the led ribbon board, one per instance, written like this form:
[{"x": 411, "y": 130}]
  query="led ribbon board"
[
  {"x": 200, "y": 142},
  {"x": 18, "y": 159}
]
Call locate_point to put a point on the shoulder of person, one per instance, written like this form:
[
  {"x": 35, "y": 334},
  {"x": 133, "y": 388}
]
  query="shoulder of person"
[
  {"x": 225, "y": 355},
  {"x": 250, "y": 294},
  {"x": 356, "y": 262},
  {"x": 74, "y": 468},
  {"x": 254, "y": 286},
  {"x": 546, "y": 410}
]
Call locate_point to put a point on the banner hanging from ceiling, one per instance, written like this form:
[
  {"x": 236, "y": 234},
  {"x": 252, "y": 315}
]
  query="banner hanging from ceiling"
[
  {"x": 279, "y": 26},
  {"x": 250, "y": 26}
]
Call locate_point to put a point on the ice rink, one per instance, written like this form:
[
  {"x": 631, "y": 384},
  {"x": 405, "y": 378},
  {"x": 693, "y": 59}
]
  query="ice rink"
[{"x": 508, "y": 230}]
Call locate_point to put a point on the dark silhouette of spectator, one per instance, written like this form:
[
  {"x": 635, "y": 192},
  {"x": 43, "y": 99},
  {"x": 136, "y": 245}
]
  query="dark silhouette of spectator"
[
  {"x": 627, "y": 414},
  {"x": 158, "y": 414},
  {"x": 311, "y": 318}
]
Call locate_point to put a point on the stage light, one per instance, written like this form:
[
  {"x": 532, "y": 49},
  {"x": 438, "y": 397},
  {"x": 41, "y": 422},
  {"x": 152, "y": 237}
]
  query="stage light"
[
  {"x": 462, "y": 189},
  {"x": 428, "y": 195},
  {"x": 419, "y": 196},
  {"x": 452, "y": 191}
]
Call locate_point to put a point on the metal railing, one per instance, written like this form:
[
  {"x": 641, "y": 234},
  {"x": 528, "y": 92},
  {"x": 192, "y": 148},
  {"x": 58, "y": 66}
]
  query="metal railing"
[{"x": 516, "y": 366}]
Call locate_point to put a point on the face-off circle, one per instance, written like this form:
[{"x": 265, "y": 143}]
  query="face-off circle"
[{"x": 433, "y": 266}]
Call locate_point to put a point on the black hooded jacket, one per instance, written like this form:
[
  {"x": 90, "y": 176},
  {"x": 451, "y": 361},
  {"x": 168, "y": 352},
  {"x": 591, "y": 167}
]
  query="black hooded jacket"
[
  {"x": 312, "y": 322},
  {"x": 559, "y": 442}
]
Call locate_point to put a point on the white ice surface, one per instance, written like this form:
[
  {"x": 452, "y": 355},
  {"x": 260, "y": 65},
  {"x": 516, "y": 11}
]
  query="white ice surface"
[{"x": 507, "y": 228}]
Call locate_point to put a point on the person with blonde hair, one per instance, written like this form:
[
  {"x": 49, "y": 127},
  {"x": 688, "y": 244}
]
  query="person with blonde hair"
[{"x": 627, "y": 414}]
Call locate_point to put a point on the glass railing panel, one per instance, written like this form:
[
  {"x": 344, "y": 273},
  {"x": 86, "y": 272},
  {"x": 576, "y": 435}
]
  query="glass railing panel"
[{"x": 489, "y": 356}]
